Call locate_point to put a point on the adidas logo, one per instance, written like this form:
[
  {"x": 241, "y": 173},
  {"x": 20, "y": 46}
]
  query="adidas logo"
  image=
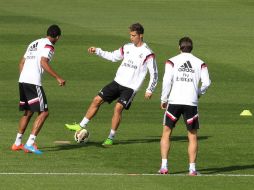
[
  {"x": 186, "y": 67},
  {"x": 33, "y": 47}
]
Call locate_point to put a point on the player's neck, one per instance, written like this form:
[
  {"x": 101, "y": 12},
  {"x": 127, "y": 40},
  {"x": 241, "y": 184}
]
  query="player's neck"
[{"x": 139, "y": 44}]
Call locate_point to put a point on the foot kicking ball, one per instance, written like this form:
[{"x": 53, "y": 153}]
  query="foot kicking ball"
[{"x": 82, "y": 136}]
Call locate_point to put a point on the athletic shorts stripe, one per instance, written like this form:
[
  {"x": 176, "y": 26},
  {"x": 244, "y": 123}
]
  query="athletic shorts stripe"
[
  {"x": 173, "y": 118},
  {"x": 40, "y": 98},
  {"x": 130, "y": 100},
  {"x": 191, "y": 120}
]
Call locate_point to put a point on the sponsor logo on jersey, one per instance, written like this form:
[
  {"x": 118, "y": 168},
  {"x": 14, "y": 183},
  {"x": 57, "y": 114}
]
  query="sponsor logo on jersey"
[
  {"x": 186, "y": 67},
  {"x": 129, "y": 64}
]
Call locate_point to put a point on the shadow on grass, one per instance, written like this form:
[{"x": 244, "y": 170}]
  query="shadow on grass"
[
  {"x": 220, "y": 170},
  {"x": 150, "y": 139}
]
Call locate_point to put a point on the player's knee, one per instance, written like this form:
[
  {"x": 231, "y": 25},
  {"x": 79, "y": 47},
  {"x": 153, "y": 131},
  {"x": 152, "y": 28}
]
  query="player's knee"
[
  {"x": 97, "y": 100},
  {"x": 119, "y": 108},
  {"x": 28, "y": 113},
  {"x": 45, "y": 114}
]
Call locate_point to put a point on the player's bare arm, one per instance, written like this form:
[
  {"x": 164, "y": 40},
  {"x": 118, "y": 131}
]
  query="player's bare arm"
[
  {"x": 92, "y": 50},
  {"x": 45, "y": 65},
  {"x": 21, "y": 64}
]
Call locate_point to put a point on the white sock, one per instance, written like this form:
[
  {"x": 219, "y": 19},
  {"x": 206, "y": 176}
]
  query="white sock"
[
  {"x": 31, "y": 140},
  {"x": 18, "y": 139},
  {"x": 164, "y": 163},
  {"x": 192, "y": 167},
  {"x": 112, "y": 134},
  {"x": 84, "y": 122}
]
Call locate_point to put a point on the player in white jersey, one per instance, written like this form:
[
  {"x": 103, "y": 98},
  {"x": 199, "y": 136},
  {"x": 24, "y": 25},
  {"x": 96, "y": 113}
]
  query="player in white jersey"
[
  {"x": 137, "y": 58},
  {"x": 180, "y": 93},
  {"x": 32, "y": 97}
]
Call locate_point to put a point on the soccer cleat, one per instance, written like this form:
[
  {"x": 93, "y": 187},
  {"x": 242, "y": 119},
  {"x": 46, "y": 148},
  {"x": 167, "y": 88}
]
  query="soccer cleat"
[
  {"x": 17, "y": 148},
  {"x": 73, "y": 127},
  {"x": 27, "y": 151},
  {"x": 193, "y": 173},
  {"x": 163, "y": 171},
  {"x": 107, "y": 143},
  {"x": 32, "y": 148}
]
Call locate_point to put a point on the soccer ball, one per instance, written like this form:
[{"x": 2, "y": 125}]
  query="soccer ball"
[{"x": 81, "y": 136}]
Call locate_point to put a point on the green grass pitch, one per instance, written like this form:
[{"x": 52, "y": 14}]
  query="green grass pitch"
[{"x": 222, "y": 31}]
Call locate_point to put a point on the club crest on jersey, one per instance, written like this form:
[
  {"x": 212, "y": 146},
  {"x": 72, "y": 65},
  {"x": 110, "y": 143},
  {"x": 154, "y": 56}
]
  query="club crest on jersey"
[{"x": 186, "y": 67}]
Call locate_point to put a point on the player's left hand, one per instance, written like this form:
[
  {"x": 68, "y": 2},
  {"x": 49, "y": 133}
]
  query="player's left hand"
[
  {"x": 164, "y": 105},
  {"x": 148, "y": 95}
]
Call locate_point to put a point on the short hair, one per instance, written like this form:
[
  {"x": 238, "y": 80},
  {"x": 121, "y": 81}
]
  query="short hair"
[
  {"x": 186, "y": 44},
  {"x": 54, "y": 31},
  {"x": 137, "y": 27}
]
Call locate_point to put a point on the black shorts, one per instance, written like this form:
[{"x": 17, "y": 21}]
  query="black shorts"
[
  {"x": 113, "y": 90},
  {"x": 32, "y": 97},
  {"x": 174, "y": 111}
]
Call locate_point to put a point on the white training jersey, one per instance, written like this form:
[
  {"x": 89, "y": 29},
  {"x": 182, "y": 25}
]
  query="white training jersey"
[
  {"x": 32, "y": 70},
  {"x": 135, "y": 63},
  {"x": 181, "y": 80}
]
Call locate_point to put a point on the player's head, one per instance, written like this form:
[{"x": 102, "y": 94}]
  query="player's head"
[
  {"x": 54, "y": 32},
  {"x": 137, "y": 27},
  {"x": 136, "y": 33},
  {"x": 185, "y": 45}
]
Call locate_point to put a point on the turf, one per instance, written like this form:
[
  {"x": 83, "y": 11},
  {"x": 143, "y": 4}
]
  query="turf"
[{"x": 222, "y": 32}]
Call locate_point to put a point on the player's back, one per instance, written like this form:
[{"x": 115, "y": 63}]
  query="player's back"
[
  {"x": 187, "y": 72},
  {"x": 32, "y": 69}
]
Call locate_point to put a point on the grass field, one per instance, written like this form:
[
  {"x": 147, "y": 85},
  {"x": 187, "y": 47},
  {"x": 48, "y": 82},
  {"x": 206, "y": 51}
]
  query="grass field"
[{"x": 222, "y": 31}]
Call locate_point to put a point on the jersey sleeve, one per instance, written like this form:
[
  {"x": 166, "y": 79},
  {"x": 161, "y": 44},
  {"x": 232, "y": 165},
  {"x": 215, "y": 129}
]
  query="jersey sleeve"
[
  {"x": 48, "y": 51},
  {"x": 153, "y": 70},
  {"x": 205, "y": 80},
  {"x": 167, "y": 81},
  {"x": 114, "y": 56}
]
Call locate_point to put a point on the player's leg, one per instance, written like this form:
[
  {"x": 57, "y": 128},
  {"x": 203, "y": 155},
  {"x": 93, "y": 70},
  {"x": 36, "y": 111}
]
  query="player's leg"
[
  {"x": 39, "y": 121},
  {"x": 192, "y": 150},
  {"x": 107, "y": 94},
  {"x": 94, "y": 107},
  {"x": 117, "y": 116},
  {"x": 37, "y": 103},
  {"x": 116, "y": 119},
  {"x": 171, "y": 116},
  {"x": 126, "y": 96},
  {"x": 91, "y": 112},
  {"x": 24, "y": 120},
  {"x": 191, "y": 119},
  {"x": 165, "y": 148}
]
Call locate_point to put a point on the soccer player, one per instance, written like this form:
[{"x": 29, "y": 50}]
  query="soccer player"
[
  {"x": 180, "y": 93},
  {"x": 136, "y": 58},
  {"x": 32, "y": 97}
]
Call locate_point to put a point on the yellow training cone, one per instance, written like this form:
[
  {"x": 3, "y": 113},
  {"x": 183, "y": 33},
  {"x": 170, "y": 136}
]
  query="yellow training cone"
[{"x": 246, "y": 113}]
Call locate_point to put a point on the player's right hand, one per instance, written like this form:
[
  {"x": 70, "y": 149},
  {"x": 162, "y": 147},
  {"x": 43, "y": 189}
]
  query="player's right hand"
[
  {"x": 61, "y": 81},
  {"x": 92, "y": 50}
]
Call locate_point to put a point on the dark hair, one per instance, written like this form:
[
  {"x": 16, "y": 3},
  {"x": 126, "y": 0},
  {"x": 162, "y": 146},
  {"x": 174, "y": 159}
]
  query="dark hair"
[
  {"x": 137, "y": 27},
  {"x": 186, "y": 44},
  {"x": 54, "y": 31}
]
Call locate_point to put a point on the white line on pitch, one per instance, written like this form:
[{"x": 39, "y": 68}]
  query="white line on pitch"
[{"x": 122, "y": 174}]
